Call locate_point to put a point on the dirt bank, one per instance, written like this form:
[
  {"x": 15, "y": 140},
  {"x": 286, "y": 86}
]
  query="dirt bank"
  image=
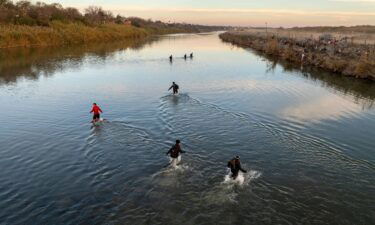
[{"x": 339, "y": 56}]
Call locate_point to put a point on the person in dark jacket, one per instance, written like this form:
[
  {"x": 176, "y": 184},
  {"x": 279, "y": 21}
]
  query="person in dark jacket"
[
  {"x": 174, "y": 152},
  {"x": 175, "y": 88},
  {"x": 235, "y": 166}
]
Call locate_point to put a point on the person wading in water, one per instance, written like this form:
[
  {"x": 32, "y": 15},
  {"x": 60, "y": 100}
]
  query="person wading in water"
[
  {"x": 175, "y": 88},
  {"x": 174, "y": 152},
  {"x": 96, "y": 110},
  {"x": 235, "y": 166}
]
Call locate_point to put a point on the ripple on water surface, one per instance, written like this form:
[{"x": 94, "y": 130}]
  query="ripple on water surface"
[{"x": 306, "y": 142}]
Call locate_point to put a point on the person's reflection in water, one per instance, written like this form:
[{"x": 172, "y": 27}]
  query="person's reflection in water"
[
  {"x": 96, "y": 130},
  {"x": 175, "y": 99}
]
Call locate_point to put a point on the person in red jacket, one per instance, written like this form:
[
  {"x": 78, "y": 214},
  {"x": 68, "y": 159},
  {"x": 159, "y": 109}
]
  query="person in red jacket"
[{"x": 96, "y": 110}]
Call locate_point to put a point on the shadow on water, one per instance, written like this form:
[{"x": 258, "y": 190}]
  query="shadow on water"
[
  {"x": 176, "y": 99},
  {"x": 362, "y": 90},
  {"x": 31, "y": 63}
]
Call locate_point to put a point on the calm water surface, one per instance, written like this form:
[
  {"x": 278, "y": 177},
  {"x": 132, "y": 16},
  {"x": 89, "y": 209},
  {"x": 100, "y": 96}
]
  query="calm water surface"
[{"x": 306, "y": 137}]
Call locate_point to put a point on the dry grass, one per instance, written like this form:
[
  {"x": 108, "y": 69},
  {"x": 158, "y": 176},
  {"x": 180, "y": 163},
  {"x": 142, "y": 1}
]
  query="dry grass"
[
  {"x": 358, "y": 37},
  {"x": 272, "y": 47},
  {"x": 59, "y": 33},
  {"x": 364, "y": 67}
]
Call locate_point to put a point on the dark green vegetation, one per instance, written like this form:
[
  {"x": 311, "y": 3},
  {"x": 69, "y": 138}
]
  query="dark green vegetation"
[{"x": 26, "y": 24}]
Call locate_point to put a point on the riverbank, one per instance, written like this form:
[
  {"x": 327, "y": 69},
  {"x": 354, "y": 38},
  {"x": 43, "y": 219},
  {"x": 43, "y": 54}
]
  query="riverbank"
[
  {"x": 338, "y": 56},
  {"x": 60, "y": 34},
  {"x": 65, "y": 34},
  {"x": 26, "y": 24}
]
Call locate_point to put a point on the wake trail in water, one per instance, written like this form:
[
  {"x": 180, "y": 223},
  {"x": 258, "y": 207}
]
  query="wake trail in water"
[
  {"x": 171, "y": 176},
  {"x": 118, "y": 136},
  {"x": 242, "y": 179},
  {"x": 229, "y": 189},
  {"x": 288, "y": 132}
]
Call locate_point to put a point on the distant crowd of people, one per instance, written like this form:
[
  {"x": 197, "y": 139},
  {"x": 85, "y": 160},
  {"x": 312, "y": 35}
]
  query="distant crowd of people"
[{"x": 185, "y": 57}]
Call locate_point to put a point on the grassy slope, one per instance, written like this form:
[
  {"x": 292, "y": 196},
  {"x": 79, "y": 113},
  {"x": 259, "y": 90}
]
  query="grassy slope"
[{"x": 64, "y": 34}]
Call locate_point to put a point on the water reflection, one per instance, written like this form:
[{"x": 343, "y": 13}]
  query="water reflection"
[
  {"x": 363, "y": 91},
  {"x": 361, "y": 94},
  {"x": 54, "y": 169},
  {"x": 31, "y": 63},
  {"x": 323, "y": 107}
]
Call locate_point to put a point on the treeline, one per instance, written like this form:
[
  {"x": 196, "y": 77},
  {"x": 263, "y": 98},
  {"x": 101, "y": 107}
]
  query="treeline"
[
  {"x": 42, "y": 14},
  {"x": 26, "y": 24},
  {"x": 161, "y": 27}
]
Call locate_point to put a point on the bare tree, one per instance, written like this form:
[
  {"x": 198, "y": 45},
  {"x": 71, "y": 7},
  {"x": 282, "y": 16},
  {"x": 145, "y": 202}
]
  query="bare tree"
[
  {"x": 96, "y": 15},
  {"x": 73, "y": 14}
]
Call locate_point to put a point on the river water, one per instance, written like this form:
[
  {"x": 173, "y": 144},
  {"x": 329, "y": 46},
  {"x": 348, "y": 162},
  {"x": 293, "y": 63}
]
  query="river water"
[{"x": 306, "y": 137}]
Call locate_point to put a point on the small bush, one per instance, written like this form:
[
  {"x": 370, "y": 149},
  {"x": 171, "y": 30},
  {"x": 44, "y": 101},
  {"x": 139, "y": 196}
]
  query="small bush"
[
  {"x": 365, "y": 69},
  {"x": 335, "y": 64},
  {"x": 272, "y": 47}
]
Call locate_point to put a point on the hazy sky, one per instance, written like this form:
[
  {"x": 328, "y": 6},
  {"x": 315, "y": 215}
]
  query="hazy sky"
[{"x": 242, "y": 12}]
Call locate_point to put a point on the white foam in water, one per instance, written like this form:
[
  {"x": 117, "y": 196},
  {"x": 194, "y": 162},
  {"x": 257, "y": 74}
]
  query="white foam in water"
[
  {"x": 99, "y": 122},
  {"x": 170, "y": 176},
  {"x": 227, "y": 191},
  {"x": 242, "y": 178},
  {"x": 172, "y": 167},
  {"x": 175, "y": 164}
]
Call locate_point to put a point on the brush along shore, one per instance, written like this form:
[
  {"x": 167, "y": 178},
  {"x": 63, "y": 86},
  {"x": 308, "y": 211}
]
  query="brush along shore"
[
  {"x": 58, "y": 33},
  {"x": 340, "y": 56},
  {"x": 28, "y": 24}
]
